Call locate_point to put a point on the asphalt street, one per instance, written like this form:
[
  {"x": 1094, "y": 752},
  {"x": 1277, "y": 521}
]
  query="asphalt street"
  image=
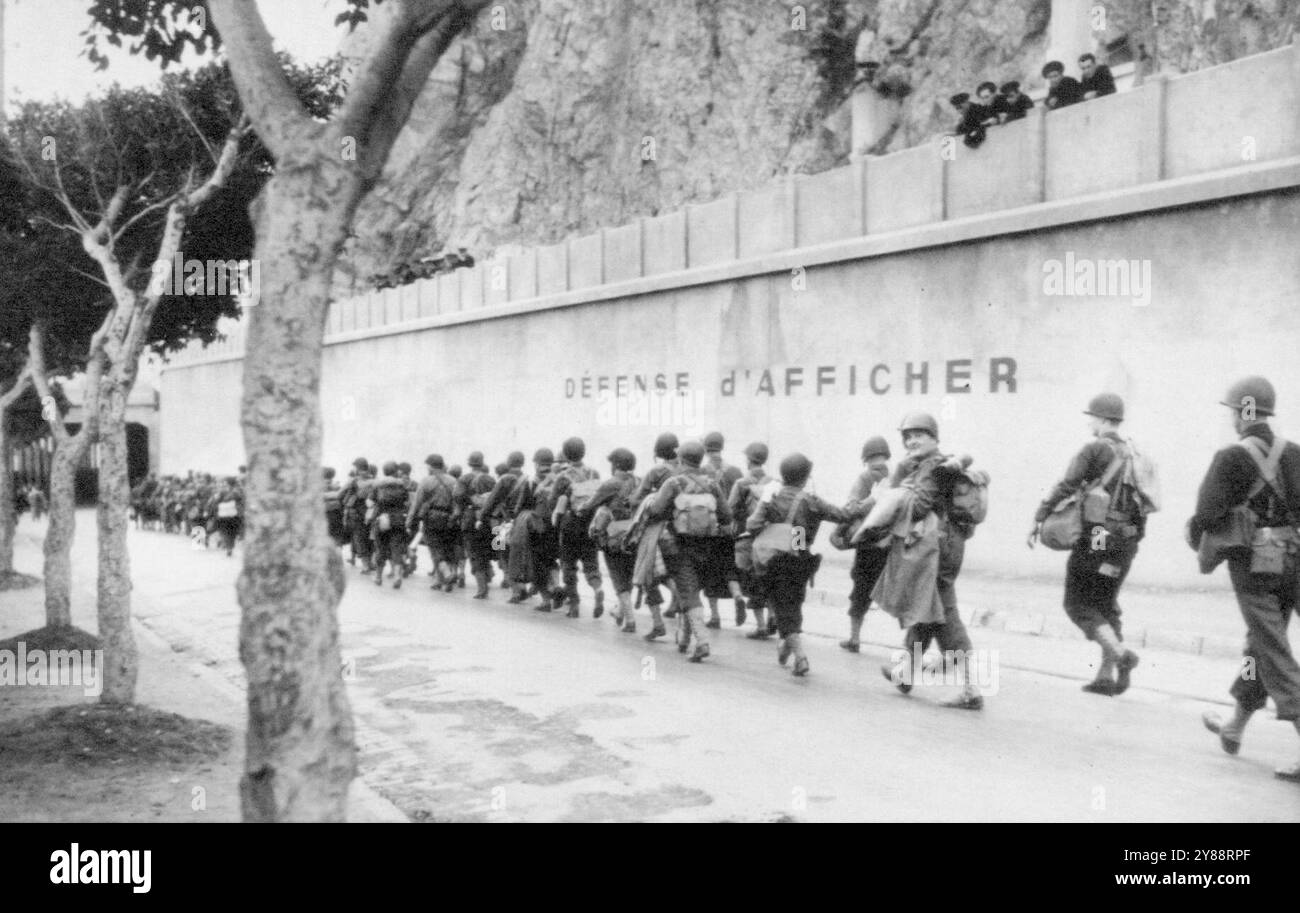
[{"x": 472, "y": 710}]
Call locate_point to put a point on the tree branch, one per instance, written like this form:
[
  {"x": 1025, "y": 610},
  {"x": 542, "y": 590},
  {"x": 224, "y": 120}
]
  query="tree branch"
[
  {"x": 21, "y": 383},
  {"x": 269, "y": 100}
]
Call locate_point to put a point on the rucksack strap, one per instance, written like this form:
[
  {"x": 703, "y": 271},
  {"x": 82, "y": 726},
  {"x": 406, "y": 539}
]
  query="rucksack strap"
[
  {"x": 1267, "y": 462},
  {"x": 794, "y": 507}
]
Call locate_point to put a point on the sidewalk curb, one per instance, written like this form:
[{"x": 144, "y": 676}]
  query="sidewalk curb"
[{"x": 362, "y": 797}]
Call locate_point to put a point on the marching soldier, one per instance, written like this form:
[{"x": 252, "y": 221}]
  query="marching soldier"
[
  {"x": 432, "y": 508},
  {"x": 472, "y": 491},
  {"x": 333, "y": 507},
  {"x": 1261, "y": 472},
  {"x": 726, "y": 476},
  {"x": 693, "y": 560},
  {"x": 785, "y": 579},
  {"x": 648, "y": 553},
  {"x": 533, "y": 544},
  {"x": 573, "y": 488},
  {"x": 390, "y": 500},
  {"x": 355, "y": 495},
  {"x": 459, "y": 553},
  {"x": 744, "y": 495},
  {"x": 496, "y": 511},
  {"x": 868, "y": 558},
  {"x": 1099, "y": 563},
  {"x": 615, "y": 496},
  {"x": 930, "y": 475}
]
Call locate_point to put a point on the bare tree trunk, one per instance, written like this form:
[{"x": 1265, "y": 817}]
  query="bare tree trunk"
[
  {"x": 300, "y": 751},
  {"x": 114, "y": 581},
  {"x": 8, "y": 515},
  {"x": 60, "y": 532}
]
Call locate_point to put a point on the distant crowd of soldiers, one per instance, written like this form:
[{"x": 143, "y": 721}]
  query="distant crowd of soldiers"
[
  {"x": 198, "y": 505},
  {"x": 704, "y": 531}
]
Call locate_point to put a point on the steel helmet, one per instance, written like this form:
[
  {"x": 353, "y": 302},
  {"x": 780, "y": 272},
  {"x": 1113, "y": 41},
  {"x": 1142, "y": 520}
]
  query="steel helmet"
[
  {"x": 713, "y": 442},
  {"x": 756, "y": 453},
  {"x": 691, "y": 453},
  {"x": 666, "y": 446},
  {"x": 1106, "y": 405},
  {"x": 795, "y": 469},
  {"x": 875, "y": 446},
  {"x": 1250, "y": 392},
  {"x": 920, "y": 421},
  {"x": 623, "y": 459}
]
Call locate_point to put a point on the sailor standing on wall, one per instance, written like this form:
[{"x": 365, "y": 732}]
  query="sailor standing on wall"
[
  {"x": 1261, "y": 472},
  {"x": 1101, "y": 558}
]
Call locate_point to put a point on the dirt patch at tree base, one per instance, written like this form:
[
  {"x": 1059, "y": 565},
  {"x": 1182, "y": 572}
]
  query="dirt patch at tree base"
[
  {"x": 96, "y": 762},
  {"x": 62, "y": 637}
]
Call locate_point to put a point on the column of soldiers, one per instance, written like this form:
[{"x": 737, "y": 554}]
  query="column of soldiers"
[{"x": 694, "y": 530}]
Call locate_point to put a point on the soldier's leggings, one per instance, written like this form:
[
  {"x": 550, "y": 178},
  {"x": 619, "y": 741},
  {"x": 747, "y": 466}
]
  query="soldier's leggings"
[
  {"x": 1091, "y": 596},
  {"x": 576, "y": 546},
  {"x": 1269, "y": 669},
  {"x": 868, "y": 564},
  {"x": 479, "y": 543},
  {"x": 362, "y": 547},
  {"x": 786, "y": 584},
  {"x": 390, "y": 546}
]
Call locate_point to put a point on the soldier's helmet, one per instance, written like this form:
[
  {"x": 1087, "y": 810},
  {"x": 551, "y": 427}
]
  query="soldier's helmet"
[
  {"x": 795, "y": 469},
  {"x": 515, "y": 460},
  {"x": 543, "y": 456},
  {"x": 404, "y": 468},
  {"x": 691, "y": 453},
  {"x": 875, "y": 446},
  {"x": 475, "y": 460},
  {"x": 501, "y": 469},
  {"x": 1250, "y": 392},
  {"x": 1106, "y": 405},
  {"x": 360, "y": 463},
  {"x": 390, "y": 468},
  {"x": 328, "y": 472},
  {"x": 623, "y": 459},
  {"x": 713, "y": 442},
  {"x": 574, "y": 449},
  {"x": 455, "y": 471},
  {"x": 920, "y": 421},
  {"x": 756, "y": 453},
  {"x": 435, "y": 460},
  {"x": 666, "y": 446}
]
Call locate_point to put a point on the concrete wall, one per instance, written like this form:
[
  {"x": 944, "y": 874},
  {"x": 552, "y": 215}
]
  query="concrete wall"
[{"x": 972, "y": 332}]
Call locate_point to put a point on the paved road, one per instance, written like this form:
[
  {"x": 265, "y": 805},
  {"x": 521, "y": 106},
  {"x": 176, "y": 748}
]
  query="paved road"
[{"x": 487, "y": 711}]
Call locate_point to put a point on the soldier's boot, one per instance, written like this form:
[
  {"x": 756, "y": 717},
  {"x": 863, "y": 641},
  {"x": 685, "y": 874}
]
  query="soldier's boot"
[
  {"x": 460, "y": 575},
  {"x": 738, "y": 598},
  {"x": 401, "y": 575},
  {"x": 683, "y": 632},
  {"x": 599, "y": 608},
  {"x": 853, "y": 644},
  {"x": 674, "y": 604},
  {"x": 760, "y": 631},
  {"x": 626, "y": 615},
  {"x": 970, "y": 697},
  {"x": 482, "y": 580},
  {"x": 519, "y": 595},
  {"x": 1292, "y": 772},
  {"x": 1123, "y": 659},
  {"x": 1229, "y": 733},
  {"x": 657, "y": 628},
  {"x": 573, "y": 603},
  {"x": 795, "y": 642},
  {"x": 715, "y": 620},
  {"x": 694, "y": 617},
  {"x": 379, "y": 573}
]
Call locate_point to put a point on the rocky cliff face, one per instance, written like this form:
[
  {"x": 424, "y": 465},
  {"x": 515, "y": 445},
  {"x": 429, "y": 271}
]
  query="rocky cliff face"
[{"x": 557, "y": 117}]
